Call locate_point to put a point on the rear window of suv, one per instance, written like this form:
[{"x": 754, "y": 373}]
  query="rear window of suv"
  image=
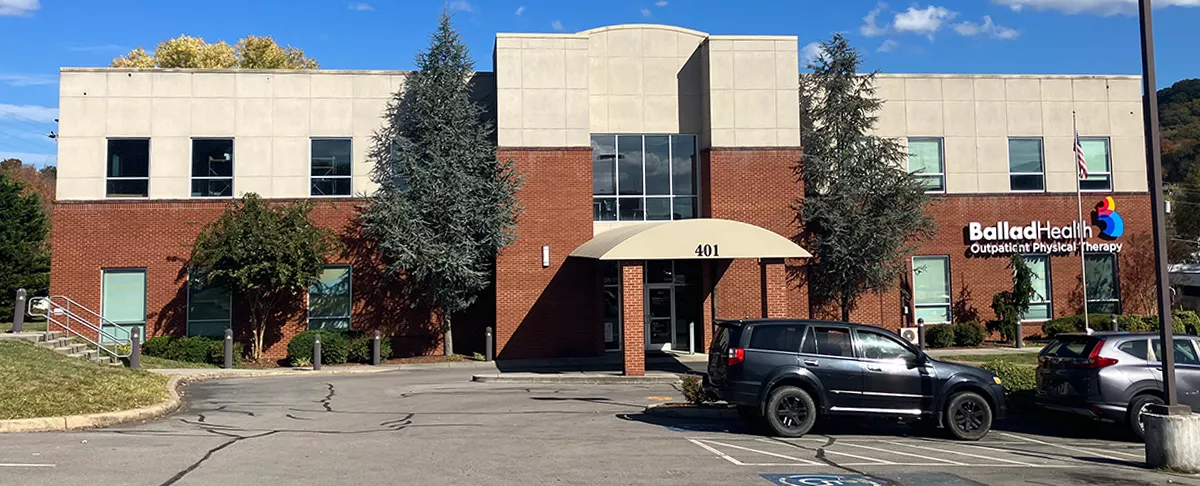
[
  {"x": 776, "y": 338},
  {"x": 1071, "y": 347}
]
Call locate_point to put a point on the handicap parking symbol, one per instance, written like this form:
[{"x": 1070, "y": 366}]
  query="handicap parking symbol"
[{"x": 820, "y": 480}]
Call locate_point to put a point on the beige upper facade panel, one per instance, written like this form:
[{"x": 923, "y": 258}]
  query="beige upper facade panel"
[{"x": 976, "y": 115}]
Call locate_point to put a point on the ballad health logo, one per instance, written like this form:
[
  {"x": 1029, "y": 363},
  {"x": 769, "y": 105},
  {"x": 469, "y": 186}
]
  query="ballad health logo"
[{"x": 1107, "y": 214}]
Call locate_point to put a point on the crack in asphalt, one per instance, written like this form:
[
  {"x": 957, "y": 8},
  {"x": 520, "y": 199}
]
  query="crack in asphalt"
[
  {"x": 179, "y": 475},
  {"x": 325, "y": 401}
]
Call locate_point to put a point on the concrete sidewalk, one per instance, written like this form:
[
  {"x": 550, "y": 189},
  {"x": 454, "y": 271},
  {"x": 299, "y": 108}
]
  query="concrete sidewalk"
[{"x": 579, "y": 378}]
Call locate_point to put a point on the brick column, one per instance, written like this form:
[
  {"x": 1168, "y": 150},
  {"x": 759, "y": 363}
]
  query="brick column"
[
  {"x": 775, "y": 290},
  {"x": 633, "y": 318}
]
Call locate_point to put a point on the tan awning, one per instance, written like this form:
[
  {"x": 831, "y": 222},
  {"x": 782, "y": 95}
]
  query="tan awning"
[{"x": 689, "y": 239}]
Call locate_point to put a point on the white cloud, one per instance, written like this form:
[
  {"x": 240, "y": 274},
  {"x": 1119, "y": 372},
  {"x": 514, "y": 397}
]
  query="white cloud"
[
  {"x": 21, "y": 80},
  {"x": 646, "y": 12},
  {"x": 871, "y": 27},
  {"x": 988, "y": 28},
  {"x": 18, "y": 7},
  {"x": 923, "y": 21},
  {"x": 461, "y": 6},
  {"x": 361, "y": 7},
  {"x": 661, "y": 3},
  {"x": 520, "y": 10},
  {"x": 1095, "y": 7},
  {"x": 557, "y": 26},
  {"x": 811, "y": 51},
  {"x": 888, "y": 46},
  {"x": 40, "y": 114}
]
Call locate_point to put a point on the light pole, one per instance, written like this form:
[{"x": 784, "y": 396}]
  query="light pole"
[{"x": 1158, "y": 215}]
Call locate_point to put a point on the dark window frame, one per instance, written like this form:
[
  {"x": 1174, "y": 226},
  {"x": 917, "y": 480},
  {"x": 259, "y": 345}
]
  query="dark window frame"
[
  {"x": 1042, "y": 157},
  {"x": 108, "y": 177},
  {"x": 312, "y": 179},
  {"x": 608, "y": 207},
  {"x": 210, "y": 178}
]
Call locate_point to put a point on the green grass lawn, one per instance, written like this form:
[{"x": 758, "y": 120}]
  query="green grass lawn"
[
  {"x": 975, "y": 359},
  {"x": 29, "y": 326},
  {"x": 156, "y": 363},
  {"x": 38, "y": 382}
]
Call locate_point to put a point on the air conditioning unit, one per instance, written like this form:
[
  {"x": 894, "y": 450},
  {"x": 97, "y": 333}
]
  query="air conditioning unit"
[{"x": 910, "y": 334}]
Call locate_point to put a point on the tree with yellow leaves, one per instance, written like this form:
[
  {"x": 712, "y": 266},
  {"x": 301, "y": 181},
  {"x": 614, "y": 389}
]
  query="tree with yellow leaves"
[{"x": 193, "y": 52}]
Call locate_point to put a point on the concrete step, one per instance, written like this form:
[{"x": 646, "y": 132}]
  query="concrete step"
[{"x": 87, "y": 354}]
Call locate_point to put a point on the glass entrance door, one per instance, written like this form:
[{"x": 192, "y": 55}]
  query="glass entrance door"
[{"x": 660, "y": 316}]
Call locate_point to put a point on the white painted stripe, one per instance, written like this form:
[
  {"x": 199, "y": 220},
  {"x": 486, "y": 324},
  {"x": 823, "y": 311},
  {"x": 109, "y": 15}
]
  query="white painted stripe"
[
  {"x": 2, "y": 464},
  {"x": 914, "y": 464},
  {"x": 946, "y": 461},
  {"x": 781, "y": 456},
  {"x": 969, "y": 455},
  {"x": 1075, "y": 449},
  {"x": 878, "y": 462},
  {"x": 718, "y": 453}
]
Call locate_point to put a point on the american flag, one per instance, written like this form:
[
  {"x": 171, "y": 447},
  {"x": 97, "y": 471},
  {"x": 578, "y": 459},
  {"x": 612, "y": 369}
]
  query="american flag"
[{"x": 1080, "y": 158}]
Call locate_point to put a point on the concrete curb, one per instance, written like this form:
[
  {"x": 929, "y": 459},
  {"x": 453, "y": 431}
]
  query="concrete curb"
[
  {"x": 579, "y": 379},
  {"x": 715, "y": 412}
]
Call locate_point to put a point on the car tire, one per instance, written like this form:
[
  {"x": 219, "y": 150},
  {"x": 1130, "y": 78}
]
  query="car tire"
[
  {"x": 791, "y": 411},
  {"x": 1133, "y": 415},
  {"x": 968, "y": 416}
]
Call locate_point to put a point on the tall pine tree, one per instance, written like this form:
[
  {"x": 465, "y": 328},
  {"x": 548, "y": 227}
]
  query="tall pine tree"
[
  {"x": 862, "y": 210},
  {"x": 445, "y": 204},
  {"x": 24, "y": 261}
]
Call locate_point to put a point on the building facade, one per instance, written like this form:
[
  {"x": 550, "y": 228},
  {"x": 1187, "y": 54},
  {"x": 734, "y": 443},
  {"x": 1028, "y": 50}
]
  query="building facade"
[{"x": 660, "y": 169}]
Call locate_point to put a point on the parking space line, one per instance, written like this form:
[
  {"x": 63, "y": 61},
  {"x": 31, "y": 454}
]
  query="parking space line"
[
  {"x": 723, "y": 455},
  {"x": 1075, "y": 449},
  {"x": 3, "y": 464},
  {"x": 827, "y": 451},
  {"x": 947, "y": 461},
  {"x": 781, "y": 456},
  {"x": 969, "y": 455}
]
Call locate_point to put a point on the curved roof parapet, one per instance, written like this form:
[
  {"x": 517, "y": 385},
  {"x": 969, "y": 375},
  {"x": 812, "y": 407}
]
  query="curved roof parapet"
[
  {"x": 643, "y": 26},
  {"x": 689, "y": 239}
]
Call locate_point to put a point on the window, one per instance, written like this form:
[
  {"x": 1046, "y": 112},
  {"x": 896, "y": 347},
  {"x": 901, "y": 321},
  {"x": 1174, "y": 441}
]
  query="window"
[
  {"x": 1040, "y": 308},
  {"x": 330, "y": 163},
  {"x": 1185, "y": 352},
  {"x": 1137, "y": 349},
  {"x": 1103, "y": 286},
  {"x": 128, "y": 168},
  {"x": 643, "y": 177},
  {"x": 612, "y": 306},
  {"x": 212, "y": 167},
  {"x": 1026, "y": 172},
  {"x": 1099, "y": 165},
  {"x": 329, "y": 299},
  {"x": 776, "y": 338},
  {"x": 878, "y": 346},
  {"x": 926, "y": 160},
  {"x": 122, "y": 303},
  {"x": 209, "y": 311},
  {"x": 931, "y": 288},
  {"x": 829, "y": 341}
]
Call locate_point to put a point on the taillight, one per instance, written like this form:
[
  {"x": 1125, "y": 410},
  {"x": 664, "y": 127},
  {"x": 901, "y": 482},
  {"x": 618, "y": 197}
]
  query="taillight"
[
  {"x": 1095, "y": 361},
  {"x": 736, "y": 356}
]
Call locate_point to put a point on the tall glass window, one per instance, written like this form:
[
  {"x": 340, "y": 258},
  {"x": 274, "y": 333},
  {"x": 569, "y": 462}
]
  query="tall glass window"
[
  {"x": 1103, "y": 284},
  {"x": 1099, "y": 164},
  {"x": 329, "y": 299},
  {"x": 643, "y": 177},
  {"x": 212, "y": 167},
  {"x": 209, "y": 311},
  {"x": 127, "y": 172},
  {"x": 1026, "y": 167},
  {"x": 931, "y": 288},
  {"x": 330, "y": 166},
  {"x": 926, "y": 160},
  {"x": 612, "y": 305},
  {"x": 1040, "y": 308},
  {"x": 123, "y": 302}
]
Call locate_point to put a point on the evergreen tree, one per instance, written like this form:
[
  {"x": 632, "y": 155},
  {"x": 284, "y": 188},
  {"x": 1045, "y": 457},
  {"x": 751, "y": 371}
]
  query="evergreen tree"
[
  {"x": 24, "y": 261},
  {"x": 445, "y": 204},
  {"x": 1010, "y": 305},
  {"x": 862, "y": 211}
]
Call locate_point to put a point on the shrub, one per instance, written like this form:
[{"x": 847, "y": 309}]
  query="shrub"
[
  {"x": 1014, "y": 377},
  {"x": 1188, "y": 320},
  {"x": 694, "y": 392},
  {"x": 939, "y": 335},
  {"x": 360, "y": 348},
  {"x": 970, "y": 334},
  {"x": 335, "y": 348},
  {"x": 193, "y": 349},
  {"x": 157, "y": 346},
  {"x": 1100, "y": 322},
  {"x": 217, "y": 355}
]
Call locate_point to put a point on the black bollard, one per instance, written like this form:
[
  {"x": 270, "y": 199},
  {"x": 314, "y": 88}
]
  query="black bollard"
[
  {"x": 135, "y": 351},
  {"x": 488, "y": 342},
  {"x": 229, "y": 349},
  {"x": 316, "y": 361},
  {"x": 19, "y": 312},
  {"x": 375, "y": 358},
  {"x": 1115, "y": 327},
  {"x": 921, "y": 333}
]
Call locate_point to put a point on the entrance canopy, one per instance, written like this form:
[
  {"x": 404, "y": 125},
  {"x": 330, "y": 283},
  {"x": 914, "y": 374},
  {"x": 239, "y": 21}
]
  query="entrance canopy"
[{"x": 689, "y": 239}]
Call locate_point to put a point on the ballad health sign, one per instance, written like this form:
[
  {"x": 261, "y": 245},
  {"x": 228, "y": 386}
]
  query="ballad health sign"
[{"x": 1006, "y": 238}]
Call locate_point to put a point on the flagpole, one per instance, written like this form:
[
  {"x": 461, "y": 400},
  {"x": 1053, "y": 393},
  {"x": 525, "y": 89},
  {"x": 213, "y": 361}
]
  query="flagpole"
[{"x": 1082, "y": 232}]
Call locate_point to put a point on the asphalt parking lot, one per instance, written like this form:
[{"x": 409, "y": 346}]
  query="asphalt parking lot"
[{"x": 436, "y": 427}]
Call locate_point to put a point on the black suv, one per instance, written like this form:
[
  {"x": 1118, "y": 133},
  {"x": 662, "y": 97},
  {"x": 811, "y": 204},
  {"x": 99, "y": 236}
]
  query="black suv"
[{"x": 787, "y": 372}]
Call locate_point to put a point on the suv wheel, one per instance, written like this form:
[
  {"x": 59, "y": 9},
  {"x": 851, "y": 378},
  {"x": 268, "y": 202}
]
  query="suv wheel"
[
  {"x": 968, "y": 416},
  {"x": 1137, "y": 407},
  {"x": 790, "y": 411}
]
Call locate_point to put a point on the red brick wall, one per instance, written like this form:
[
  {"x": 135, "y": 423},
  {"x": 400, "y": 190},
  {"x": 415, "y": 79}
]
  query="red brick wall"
[
  {"x": 633, "y": 311},
  {"x": 547, "y": 312},
  {"x": 88, "y": 237}
]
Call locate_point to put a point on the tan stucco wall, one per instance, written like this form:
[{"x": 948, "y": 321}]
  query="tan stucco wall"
[{"x": 976, "y": 114}]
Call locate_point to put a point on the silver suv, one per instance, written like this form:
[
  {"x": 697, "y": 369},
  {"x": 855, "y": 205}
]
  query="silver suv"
[{"x": 1114, "y": 376}]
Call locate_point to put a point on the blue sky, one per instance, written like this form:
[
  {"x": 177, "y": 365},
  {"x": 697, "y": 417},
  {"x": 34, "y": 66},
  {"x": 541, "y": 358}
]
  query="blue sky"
[{"x": 950, "y": 36}]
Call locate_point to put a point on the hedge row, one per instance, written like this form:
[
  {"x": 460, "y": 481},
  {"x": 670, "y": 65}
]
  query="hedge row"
[
  {"x": 193, "y": 349},
  {"x": 1182, "y": 322},
  {"x": 337, "y": 347},
  {"x": 966, "y": 334}
]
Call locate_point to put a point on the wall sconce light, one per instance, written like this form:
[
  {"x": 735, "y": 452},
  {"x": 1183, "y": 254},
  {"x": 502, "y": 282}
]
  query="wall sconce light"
[{"x": 545, "y": 256}]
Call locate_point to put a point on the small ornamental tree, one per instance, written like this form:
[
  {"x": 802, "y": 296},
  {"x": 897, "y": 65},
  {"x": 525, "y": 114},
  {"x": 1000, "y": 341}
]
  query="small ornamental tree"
[
  {"x": 24, "y": 261},
  {"x": 1010, "y": 305},
  {"x": 445, "y": 205},
  {"x": 263, "y": 254}
]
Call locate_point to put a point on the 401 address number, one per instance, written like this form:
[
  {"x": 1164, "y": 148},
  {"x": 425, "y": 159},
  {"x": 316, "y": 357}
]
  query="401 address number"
[{"x": 708, "y": 251}]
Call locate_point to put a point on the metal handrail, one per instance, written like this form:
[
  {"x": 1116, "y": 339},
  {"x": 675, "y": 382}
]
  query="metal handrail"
[{"x": 54, "y": 308}]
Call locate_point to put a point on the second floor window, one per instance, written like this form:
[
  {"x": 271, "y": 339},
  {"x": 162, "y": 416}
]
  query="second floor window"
[
  {"x": 1099, "y": 165},
  {"x": 212, "y": 167},
  {"x": 128, "y": 169},
  {"x": 330, "y": 166},
  {"x": 643, "y": 177},
  {"x": 925, "y": 159},
  {"x": 1040, "y": 307},
  {"x": 1026, "y": 167}
]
